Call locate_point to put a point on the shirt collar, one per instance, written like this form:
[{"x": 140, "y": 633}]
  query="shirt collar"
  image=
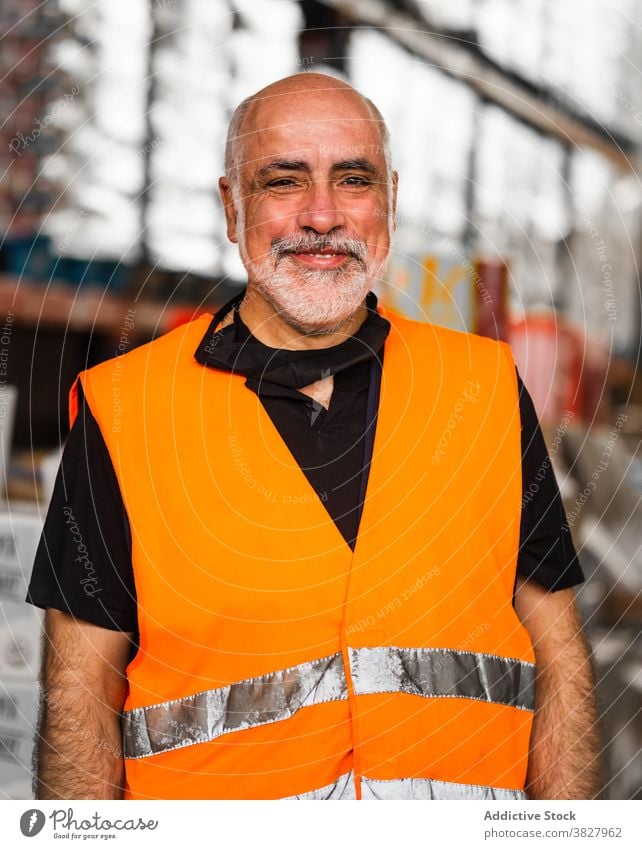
[{"x": 234, "y": 349}]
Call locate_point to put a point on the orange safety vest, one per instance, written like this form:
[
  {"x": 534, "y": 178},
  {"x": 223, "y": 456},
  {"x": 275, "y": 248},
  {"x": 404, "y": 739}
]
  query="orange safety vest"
[{"x": 276, "y": 663}]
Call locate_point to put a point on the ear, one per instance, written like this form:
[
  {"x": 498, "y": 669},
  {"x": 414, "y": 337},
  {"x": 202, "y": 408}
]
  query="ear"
[{"x": 230, "y": 210}]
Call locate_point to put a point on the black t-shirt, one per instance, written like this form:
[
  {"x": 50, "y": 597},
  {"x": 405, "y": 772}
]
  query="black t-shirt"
[{"x": 83, "y": 563}]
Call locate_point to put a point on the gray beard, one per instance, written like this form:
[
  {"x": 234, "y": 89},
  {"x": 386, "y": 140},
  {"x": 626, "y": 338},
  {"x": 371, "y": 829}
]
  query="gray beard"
[{"x": 311, "y": 302}]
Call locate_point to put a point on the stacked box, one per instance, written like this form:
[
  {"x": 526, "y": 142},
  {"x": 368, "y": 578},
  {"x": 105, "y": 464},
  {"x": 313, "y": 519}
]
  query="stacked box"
[
  {"x": 20, "y": 651},
  {"x": 19, "y": 534},
  {"x": 20, "y": 630}
]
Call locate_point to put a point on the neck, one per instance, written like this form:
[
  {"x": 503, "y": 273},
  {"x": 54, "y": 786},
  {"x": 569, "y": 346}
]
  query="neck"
[{"x": 268, "y": 326}]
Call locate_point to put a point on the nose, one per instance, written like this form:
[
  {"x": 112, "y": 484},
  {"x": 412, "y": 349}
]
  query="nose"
[{"x": 319, "y": 210}]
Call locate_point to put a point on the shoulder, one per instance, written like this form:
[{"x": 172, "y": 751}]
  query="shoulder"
[
  {"x": 149, "y": 367},
  {"x": 424, "y": 334},
  {"x": 177, "y": 345}
]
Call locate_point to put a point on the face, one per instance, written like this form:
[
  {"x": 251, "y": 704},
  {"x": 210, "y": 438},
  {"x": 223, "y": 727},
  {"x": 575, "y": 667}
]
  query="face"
[{"x": 314, "y": 206}]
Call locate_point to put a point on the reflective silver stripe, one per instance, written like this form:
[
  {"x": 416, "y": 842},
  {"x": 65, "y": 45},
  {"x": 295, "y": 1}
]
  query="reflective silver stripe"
[
  {"x": 422, "y": 789},
  {"x": 245, "y": 704},
  {"x": 425, "y": 789},
  {"x": 444, "y": 673},
  {"x": 342, "y": 788}
]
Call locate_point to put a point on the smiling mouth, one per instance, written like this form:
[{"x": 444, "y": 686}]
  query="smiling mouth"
[{"x": 319, "y": 259}]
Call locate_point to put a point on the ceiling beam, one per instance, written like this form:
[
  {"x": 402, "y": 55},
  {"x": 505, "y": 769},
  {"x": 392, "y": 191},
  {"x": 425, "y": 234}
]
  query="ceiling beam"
[{"x": 457, "y": 60}]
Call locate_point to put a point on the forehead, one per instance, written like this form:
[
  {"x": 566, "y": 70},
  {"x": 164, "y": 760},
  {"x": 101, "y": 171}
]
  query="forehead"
[{"x": 322, "y": 126}]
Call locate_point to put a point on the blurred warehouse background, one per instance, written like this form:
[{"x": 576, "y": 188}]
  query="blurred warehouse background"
[{"x": 516, "y": 129}]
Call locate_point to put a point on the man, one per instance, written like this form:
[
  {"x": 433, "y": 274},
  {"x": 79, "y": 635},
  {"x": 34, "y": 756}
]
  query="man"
[{"x": 305, "y": 525}]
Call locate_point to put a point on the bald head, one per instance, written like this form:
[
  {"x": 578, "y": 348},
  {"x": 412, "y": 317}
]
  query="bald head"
[{"x": 269, "y": 105}]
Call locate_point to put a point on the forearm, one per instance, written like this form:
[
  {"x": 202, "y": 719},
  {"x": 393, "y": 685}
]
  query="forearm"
[
  {"x": 565, "y": 746},
  {"x": 79, "y": 751}
]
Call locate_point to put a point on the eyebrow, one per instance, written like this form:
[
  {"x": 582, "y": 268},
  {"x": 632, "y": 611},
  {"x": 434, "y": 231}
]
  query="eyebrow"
[
  {"x": 359, "y": 163},
  {"x": 282, "y": 165}
]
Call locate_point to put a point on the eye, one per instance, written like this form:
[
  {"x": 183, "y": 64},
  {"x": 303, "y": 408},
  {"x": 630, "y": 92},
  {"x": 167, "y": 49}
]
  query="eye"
[
  {"x": 282, "y": 183},
  {"x": 355, "y": 182}
]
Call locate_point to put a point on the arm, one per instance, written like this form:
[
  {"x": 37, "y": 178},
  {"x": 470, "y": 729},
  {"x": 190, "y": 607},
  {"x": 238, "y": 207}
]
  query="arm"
[
  {"x": 79, "y": 750},
  {"x": 564, "y": 750}
]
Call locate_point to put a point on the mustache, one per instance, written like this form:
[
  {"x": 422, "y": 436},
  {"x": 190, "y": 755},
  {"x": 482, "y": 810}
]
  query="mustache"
[{"x": 306, "y": 242}]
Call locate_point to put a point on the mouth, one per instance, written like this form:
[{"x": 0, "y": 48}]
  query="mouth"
[{"x": 319, "y": 259}]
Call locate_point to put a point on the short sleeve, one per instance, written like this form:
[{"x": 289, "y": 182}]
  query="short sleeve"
[
  {"x": 83, "y": 563},
  {"x": 546, "y": 551}
]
